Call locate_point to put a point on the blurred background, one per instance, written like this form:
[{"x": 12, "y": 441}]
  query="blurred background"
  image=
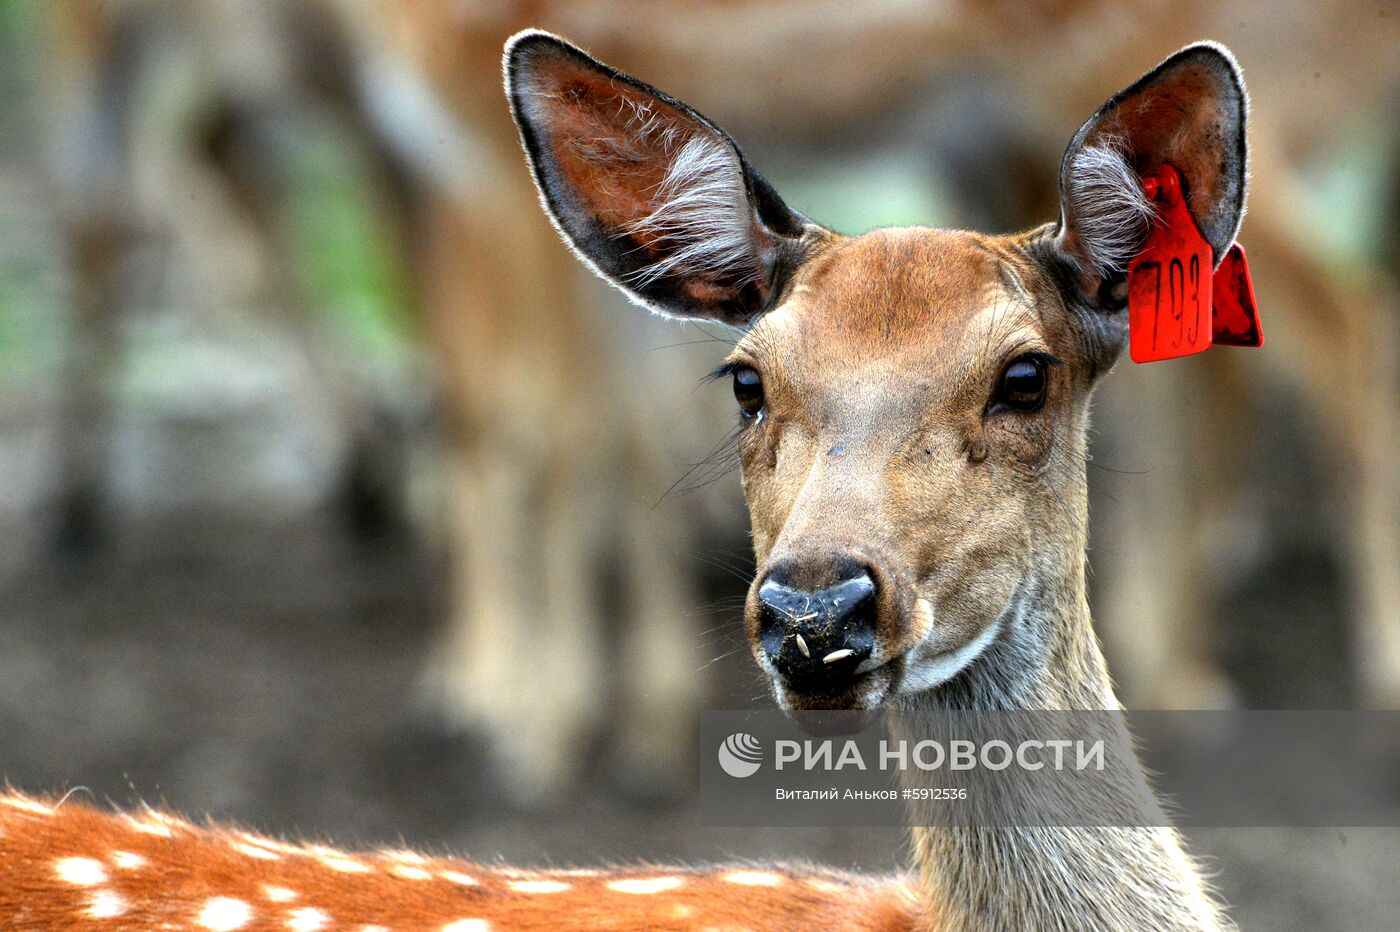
[{"x": 340, "y": 501}]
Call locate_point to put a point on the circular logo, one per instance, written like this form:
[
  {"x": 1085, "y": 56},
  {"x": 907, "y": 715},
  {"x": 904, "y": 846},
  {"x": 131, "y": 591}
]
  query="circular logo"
[{"x": 740, "y": 755}]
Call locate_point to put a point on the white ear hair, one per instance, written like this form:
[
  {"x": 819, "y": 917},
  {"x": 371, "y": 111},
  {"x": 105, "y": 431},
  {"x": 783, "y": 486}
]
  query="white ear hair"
[
  {"x": 1110, "y": 212},
  {"x": 701, "y": 207}
]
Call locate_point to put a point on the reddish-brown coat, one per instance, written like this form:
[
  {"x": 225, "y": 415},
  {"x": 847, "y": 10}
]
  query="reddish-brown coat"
[{"x": 73, "y": 866}]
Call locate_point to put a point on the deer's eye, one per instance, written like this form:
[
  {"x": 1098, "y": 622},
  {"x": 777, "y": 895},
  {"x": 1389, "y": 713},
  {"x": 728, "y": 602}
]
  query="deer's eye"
[
  {"x": 748, "y": 391},
  {"x": 1022, "y": 385}
]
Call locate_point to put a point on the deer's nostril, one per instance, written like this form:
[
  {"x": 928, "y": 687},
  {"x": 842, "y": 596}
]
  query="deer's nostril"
[{"x": 817, "y": 639}]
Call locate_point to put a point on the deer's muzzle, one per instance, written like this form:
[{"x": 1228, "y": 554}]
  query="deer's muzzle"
[{"x": 815, "y": 639}]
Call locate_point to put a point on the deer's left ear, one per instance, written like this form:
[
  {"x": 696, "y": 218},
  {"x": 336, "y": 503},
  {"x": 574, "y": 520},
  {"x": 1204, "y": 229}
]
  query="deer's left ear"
[
  {"x": 1190, "y": 112},
  {"x": 656, "y": 198}
]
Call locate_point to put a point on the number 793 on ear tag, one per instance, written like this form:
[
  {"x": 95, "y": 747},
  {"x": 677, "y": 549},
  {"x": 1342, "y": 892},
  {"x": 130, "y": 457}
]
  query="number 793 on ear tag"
[{"x": 1178, "y": 302}]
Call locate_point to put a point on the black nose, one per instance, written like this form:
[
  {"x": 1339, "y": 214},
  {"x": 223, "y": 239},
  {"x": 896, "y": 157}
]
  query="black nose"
[{"x": 816, "y": 639}]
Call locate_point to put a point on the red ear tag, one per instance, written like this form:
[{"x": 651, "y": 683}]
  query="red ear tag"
[
  {"x": 1236, "y": 317},
  {"x": 1169, "y": 282}
]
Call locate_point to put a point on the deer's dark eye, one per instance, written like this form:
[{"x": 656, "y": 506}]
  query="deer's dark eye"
[
  {"x": 1022, "y": 385},
  {"x": 748, "y": 391}
]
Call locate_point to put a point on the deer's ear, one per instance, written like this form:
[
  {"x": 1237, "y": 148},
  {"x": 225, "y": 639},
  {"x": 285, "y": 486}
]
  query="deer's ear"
[
  {"x": 656, "y": 198},
  {"x": 1190, "y": 112}
]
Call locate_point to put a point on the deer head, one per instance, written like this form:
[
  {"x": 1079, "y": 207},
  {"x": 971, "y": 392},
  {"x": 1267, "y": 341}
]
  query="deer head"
[{"x": 914, "y": 401}]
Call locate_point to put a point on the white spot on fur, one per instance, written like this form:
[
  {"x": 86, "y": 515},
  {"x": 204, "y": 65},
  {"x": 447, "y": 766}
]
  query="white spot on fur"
[
  {"x": 409, "y": 872},
  {"x": 825, "y": 886},
  {"x": 702, "y": 209},
  {"x": 307, "y": 919},
  {"x": 754, "y": 878},
  {"x": 405, "y": 857},
  {"x": 538, "y": 886},
  {"x": 224, "y": 914},
  {"x": 345, "y": 865},
  {"x": 1108, "y": 209},
  {"x": 458, "y": 877},
  {"x": 82, "y": 872},
  {"x": 127, "y": 861},
  {"x": 644, "y": 885},
  {"x": 468, "y": 925},
  {"x": 106, "y": 905},
  {"x": 150, "y": 826},
  {"x": 266, "y": 844},
  {"x": 27, "y": 805},
  {"x": 253, "y": 851},
  {"x": 278, "y": 894}
]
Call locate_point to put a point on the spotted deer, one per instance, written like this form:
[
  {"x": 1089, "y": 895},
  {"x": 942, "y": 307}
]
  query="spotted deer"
[{"x": 914, "y": 406}]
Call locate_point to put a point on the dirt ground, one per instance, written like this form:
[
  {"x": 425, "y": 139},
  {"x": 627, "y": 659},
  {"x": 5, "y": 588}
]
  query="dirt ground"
[{"x": 264, "y": 673}]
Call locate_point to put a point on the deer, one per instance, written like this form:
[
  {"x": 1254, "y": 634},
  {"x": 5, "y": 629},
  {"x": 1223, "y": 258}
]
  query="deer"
[{"x": 914, "y": 410}]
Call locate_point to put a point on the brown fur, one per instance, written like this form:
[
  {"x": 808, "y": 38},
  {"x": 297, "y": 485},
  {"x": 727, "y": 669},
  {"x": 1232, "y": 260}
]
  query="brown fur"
[
  {"x": 878, "y": 369},
  {"x": 150, "y": 870}
]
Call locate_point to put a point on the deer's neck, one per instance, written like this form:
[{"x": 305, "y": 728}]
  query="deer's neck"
[{"x": 1046, "y": 656}]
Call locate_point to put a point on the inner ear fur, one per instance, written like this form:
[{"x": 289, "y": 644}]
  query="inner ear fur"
[{"x": 1190, "y": 111}]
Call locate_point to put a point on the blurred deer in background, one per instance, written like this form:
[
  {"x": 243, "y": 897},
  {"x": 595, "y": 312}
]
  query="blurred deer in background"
[
  {"x": 170, "y": 133},
  {"x": 540, "y": 418},
  {"x": 556, "y": 448}
]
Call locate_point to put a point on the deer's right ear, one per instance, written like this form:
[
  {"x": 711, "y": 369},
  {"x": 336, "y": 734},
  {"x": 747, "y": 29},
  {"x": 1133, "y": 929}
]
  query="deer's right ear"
[{"x": 656, "y": 198}]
